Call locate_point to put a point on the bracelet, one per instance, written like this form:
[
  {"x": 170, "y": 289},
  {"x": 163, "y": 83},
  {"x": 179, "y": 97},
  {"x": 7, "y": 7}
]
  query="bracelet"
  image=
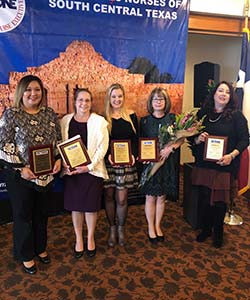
[{"x": 232, "y": 156}]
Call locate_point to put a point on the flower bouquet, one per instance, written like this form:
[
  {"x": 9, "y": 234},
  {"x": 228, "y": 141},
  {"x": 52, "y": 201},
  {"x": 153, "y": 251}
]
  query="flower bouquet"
[{"x": 185, "y": 125}]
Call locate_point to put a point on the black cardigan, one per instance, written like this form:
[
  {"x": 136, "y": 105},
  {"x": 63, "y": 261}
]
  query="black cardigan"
[{"x": 235, "y": 128}]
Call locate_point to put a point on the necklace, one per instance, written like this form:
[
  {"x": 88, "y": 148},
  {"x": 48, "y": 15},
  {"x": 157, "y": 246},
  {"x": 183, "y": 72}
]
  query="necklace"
[{"x": 215, "y": 120}]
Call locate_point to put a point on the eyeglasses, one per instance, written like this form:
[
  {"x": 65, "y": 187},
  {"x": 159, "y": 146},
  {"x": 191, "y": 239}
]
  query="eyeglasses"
[
  {"x": 83, "y": 100},
  {"x": 158, "y": 99}
]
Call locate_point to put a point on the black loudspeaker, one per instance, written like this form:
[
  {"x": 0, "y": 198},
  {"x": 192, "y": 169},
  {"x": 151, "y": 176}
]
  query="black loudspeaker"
[
  {"x": 5, "y": 211},
  {"x": 203, "y": 72},
  {"x": 191, "y": 208}
]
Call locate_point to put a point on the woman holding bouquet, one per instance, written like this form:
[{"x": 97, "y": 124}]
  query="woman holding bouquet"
[
  {"x": 217, "y": 180},
  {"x": 123, "y": 125},
  {"x": 164, "y": 183}
]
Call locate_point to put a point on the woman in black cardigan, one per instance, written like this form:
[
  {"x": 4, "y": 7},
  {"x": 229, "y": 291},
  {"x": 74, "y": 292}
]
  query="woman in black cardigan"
[{"x": 217, "y": 180}]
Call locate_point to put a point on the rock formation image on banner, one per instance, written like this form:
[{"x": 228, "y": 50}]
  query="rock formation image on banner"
[{"x": 81, "y": 66}]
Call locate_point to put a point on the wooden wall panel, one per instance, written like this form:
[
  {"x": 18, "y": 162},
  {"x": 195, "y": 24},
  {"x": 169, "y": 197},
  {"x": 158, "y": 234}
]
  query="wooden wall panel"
[{"x": 214, "y": 24}]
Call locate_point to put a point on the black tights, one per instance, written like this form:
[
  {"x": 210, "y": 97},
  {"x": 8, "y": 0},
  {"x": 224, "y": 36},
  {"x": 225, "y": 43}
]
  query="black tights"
[{"x": 116, "y": 205}]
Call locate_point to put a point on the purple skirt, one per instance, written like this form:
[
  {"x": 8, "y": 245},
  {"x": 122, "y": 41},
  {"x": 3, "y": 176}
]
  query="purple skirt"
[{"x": 83, "y": 192}]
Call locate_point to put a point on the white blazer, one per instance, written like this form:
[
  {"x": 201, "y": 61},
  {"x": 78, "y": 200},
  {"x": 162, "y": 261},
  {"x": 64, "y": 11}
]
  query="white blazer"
[{"x": 97, "y": 142}]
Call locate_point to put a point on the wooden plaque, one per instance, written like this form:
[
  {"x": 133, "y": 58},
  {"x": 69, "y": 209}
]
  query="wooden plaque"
[
  {"x": 74, "y": 152},
  {"x": 148, "y": 149},
  {"x": 41, "y": 159},
  {"x": 121, "y": 152},
  {"x": 215, "y": 147}
]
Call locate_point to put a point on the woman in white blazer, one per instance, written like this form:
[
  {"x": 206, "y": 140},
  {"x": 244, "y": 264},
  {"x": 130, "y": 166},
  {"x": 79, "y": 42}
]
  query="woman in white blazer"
[{"x": 83, "y": 186}]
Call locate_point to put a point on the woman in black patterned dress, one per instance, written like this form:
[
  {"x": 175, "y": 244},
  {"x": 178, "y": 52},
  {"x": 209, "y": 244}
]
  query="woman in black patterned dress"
[
  {"x": 122, "y": 125},
  {"x": 27, "y": 124},
  {"x": 164, "y": 184}
]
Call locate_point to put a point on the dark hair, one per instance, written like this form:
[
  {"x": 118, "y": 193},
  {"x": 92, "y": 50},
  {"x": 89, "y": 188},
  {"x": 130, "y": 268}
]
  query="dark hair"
[
  {"x": 162, "y": 92},
  {"x": 80, "y": 90},
  {"x": 22, "y": 86},
  {"x": 231, "y": 106}
]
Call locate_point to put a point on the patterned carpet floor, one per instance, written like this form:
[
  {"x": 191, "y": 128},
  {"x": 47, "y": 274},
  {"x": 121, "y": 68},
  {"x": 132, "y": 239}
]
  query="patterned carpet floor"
[{"x": 178, "y": 269}]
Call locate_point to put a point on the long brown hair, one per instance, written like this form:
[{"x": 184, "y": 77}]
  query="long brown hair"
[{"x": 231, "y": 106}]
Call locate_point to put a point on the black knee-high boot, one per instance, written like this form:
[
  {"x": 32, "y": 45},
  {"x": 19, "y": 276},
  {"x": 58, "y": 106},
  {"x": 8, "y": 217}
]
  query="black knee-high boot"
[
  {"x": 220, "y": 209},
  {"x": 206, "y": 224},
  {"x": 206, "y": 214}
]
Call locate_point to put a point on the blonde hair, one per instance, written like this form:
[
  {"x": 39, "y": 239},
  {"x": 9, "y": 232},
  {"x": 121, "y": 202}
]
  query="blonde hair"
[
  {"x": 21, "y": 88},
  {"x": 108, "y": 108}
]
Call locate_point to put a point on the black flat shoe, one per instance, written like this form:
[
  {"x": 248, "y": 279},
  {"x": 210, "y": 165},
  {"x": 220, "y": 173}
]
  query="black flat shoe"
[
  {"x": 45, "y": 260},
  {"x": 31, "y": 270},
  {"x": 91, "y": 253},
  {"x": 153, "y": 241},
  {"x": 160, "y": 238}
]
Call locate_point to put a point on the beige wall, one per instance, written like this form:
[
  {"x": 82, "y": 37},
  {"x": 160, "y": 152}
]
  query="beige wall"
[
  {"x": 225, "y": 7},
  {"x": 221, "y": 50}
]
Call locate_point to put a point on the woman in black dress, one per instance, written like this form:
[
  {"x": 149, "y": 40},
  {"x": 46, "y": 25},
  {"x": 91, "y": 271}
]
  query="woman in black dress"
[
  {"x": 164, "y": 184},
  {"x": 84, "y": 186},
  {"x": 122, "y": 125},
  {"x": 217, "y": 180}
]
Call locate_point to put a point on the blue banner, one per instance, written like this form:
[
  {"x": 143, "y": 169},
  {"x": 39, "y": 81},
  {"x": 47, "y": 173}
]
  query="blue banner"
[
  {"x": 93, "y": 43},
  {"x": 33, "y": 33}
]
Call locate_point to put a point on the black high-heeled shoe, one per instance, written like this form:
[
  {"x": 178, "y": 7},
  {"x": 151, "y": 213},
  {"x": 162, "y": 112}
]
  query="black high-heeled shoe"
[
  {"x": 160, "y": 238},
  {"x": 91, "y": 253},
  {"x": 30, "y": 270},
  {"x": 78, "y": 254},
  {"x": 153, "y": 241}
]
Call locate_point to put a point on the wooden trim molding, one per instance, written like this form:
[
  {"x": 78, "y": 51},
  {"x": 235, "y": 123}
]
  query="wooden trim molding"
[{"x": 216, "y": 25}]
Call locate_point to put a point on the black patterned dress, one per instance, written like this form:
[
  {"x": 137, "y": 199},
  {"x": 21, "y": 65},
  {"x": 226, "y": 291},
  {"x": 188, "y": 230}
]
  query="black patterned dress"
[{"x": 166, "y": 179}]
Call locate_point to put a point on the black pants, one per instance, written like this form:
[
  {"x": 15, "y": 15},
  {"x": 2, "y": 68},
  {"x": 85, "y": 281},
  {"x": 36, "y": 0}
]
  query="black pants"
[{"x": 30, "y": 217}]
